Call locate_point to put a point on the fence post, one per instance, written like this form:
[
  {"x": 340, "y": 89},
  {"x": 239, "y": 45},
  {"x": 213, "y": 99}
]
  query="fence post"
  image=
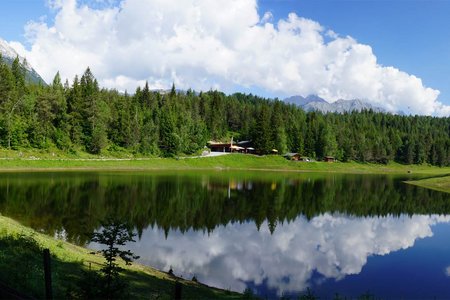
[
  {"x": 47, "y": 275},
  {"x": 178, "y": 288}
]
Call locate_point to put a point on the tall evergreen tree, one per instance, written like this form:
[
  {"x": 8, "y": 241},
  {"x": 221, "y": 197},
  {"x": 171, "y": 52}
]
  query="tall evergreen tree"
[
  {"x": 95, "y": 112},
  {"x": 169, "y": 141},
  {"x": 75, "y": 112},
  {"x": 18, "y": 72},
  {"x": 262, "y": 137}
]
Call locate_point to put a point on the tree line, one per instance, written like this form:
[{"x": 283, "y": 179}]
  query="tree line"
[
  {"x": 80, "y": 116},
  {"x": 72, "y": 206}
]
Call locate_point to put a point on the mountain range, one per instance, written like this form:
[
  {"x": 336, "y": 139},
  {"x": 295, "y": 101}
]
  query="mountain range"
[
  {"x": 9, "y": 55},
  {"x": 315, "y": 103}
]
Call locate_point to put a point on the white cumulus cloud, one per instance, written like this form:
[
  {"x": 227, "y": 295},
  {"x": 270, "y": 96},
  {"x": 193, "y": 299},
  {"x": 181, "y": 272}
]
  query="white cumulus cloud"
[
  {"x": 223, "y": 44},
  {"x": 332, "y": 245}
]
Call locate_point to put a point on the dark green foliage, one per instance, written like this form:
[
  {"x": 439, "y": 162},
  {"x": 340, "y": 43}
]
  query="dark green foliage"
[
  {"x": 152, "y": 123},
  {"x": 169, "y": 140},
  {"x": 7, "y": 85},
  {"x": 95, "y": 113},
  {"x": 18, "y": 72},
  {"x": 89, "y": 286},
  {"x": 22, "y": 268},
  {"x": 113, "y": 235},
  {"x": 262, "y": 133},
  {"x": 13, "y": 250}
]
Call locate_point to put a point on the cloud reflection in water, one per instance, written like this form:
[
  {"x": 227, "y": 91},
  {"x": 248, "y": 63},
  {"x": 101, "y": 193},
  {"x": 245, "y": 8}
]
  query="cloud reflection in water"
[{"x": 332, "y": 245}]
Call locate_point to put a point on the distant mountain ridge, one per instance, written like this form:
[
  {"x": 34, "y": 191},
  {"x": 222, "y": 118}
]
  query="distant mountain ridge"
[
  {"x": 302, "y": 101},
  {"x": 315, "y": 103},
  {"x": 9, "y": 55}
]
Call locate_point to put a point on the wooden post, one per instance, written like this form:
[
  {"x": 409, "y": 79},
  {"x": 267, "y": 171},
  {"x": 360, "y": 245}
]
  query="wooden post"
[
  {"x": 178, "y": 288},
  {"x": 47, "y": 275}
]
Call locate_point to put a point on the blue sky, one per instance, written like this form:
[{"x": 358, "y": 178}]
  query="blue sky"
[
  {"x": 14, "y": 14},
  {"x": 411, "y": 36}
]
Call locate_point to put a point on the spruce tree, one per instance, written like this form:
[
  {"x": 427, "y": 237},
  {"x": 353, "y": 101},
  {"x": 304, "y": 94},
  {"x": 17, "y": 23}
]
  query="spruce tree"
[{"x": 114, "y": 235}]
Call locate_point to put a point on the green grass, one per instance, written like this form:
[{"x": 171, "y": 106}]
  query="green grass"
[
  {"x": 437, "y": 183},
  {"x": 21, "y": 268},
  {"x": 226, "y": 162}
]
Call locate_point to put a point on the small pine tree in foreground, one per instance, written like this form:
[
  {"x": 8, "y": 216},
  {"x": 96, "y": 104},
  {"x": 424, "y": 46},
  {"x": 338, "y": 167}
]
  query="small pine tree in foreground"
[{"x": 113, "y": 235}]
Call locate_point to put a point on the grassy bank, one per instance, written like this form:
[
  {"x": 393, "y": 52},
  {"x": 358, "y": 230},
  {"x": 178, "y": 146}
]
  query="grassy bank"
[
  {"x": 21, "y": 268},
  {"x": 26, "y": 162},
  {"x": 437, "y": 183}
]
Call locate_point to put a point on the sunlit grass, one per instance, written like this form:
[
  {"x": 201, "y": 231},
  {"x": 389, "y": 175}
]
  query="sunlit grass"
[
  {"x": 69, "y": 260},
  {"x": 35, "y": 162},
  {"x": 437, "y": 183}
]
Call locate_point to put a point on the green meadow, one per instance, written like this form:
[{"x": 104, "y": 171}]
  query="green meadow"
[
  {"x": 21, "y": 268},
  {"x": 44, "y": 161},
  {"x": 436, "y": 183}
]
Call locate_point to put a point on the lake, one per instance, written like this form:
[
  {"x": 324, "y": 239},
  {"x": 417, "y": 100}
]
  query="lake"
[{"x": 276, "y": 233}]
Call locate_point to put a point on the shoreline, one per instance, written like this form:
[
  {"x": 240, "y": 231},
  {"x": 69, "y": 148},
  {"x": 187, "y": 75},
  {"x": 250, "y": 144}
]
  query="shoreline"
[
  {"x": 233, "y": 162},
  {"x": 441, "y": 184}
]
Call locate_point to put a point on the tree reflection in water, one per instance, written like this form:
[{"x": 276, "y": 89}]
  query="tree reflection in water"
[{"x": 229, "y": 229}]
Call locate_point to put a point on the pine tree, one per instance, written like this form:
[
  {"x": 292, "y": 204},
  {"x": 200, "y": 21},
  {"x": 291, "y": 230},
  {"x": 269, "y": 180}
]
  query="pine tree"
[
  {"x": 279, "y": 137},
  {"x": 75, "y": 112},
  {"x": 18, "y": 72},
  {"x": 9, "y": 100},
  {"x": 144, "y": 97},
  {"x": 173, "y": 91},
  {"x": 114, "y": 235},
  {"x": 262, "y": 137},
  {"x": 59, "y": 109},
  {"x": 169, "y": 141},
  {"x": 329, "y": 143},
  {"x": 95, "y": 112}
]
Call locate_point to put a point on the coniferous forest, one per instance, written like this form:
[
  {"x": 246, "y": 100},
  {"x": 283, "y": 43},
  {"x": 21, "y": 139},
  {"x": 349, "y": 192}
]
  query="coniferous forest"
[{"x": 79, "y": 116}]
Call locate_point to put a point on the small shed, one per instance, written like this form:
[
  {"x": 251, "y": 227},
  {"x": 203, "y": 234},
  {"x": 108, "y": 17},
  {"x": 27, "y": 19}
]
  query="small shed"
[
  {"x": 220, "y": 147},
  {"x": 329, "y": 159},
  {"x": 292, "y": 156}
]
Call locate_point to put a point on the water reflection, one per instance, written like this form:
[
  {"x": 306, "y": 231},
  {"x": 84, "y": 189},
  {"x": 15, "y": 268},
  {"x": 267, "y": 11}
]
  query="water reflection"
[
  {"x": 331, "y": 245},
  {"x": 75, "y": 203},
  {"x": 281, "y": 231}
]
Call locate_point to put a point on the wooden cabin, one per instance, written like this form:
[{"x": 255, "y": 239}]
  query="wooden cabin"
[
  {"x": 239, "y": 147},
  {"x": 292, "y": 156},
  {"x": 219, "y": 147},
  {"x": 329, "y": 159}
]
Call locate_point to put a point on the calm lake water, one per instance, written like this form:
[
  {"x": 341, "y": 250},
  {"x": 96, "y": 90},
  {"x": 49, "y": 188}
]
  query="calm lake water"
[{"x": 276, "y": 233}]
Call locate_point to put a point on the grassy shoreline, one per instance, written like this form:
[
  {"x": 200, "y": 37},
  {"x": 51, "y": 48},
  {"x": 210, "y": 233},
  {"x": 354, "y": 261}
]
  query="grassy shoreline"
[
  {"x": 226, "y": 162},
  {"x": 69, "y": 260},
  {"x": 441, "y": 184}
]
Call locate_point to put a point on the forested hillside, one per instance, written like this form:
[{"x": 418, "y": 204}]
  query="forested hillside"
[{"x": 79, "y": 116}]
